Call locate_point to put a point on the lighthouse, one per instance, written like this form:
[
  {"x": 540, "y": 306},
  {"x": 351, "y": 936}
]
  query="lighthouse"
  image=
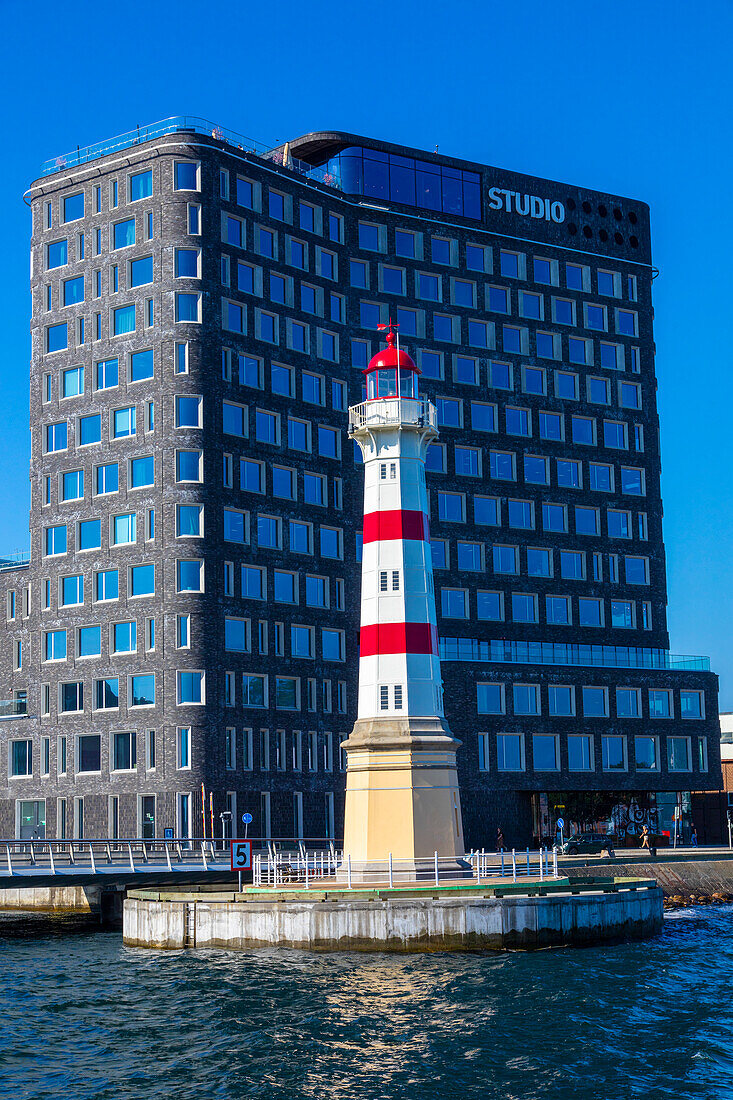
[{"x": 402, "y": 796}]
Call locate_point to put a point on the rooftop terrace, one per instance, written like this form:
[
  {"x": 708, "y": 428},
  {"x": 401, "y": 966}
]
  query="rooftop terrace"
[{"x": 84, "y": 154}]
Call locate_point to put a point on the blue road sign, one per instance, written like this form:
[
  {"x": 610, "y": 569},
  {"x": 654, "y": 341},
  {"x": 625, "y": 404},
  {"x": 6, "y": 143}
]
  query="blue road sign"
[
  {"x": 561, "y": 822},
  {"x": 247, "y": 819}
]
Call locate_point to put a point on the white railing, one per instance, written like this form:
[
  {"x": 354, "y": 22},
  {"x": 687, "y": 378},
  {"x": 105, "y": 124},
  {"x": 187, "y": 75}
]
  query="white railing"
[
  {"x": 95, "y": 857},
  {"x": 384, "y": 412},
  {"x": 277, "y": 867},
  {"x": 308, "y": 868}
]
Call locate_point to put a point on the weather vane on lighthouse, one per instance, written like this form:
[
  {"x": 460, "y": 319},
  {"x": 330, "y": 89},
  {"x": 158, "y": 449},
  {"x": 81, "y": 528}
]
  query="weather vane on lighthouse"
[{"x": 402, "y": 794}]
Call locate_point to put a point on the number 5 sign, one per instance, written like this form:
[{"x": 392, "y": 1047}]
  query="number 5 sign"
[{"x": 241, "y": 855}]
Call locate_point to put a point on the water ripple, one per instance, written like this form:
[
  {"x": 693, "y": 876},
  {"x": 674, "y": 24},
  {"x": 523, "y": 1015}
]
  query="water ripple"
[{"x": 84, "y": 1017}]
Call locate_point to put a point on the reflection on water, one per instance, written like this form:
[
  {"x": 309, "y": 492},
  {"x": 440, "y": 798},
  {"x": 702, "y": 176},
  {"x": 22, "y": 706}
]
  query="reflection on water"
[{"x": 83, "y": 1017}]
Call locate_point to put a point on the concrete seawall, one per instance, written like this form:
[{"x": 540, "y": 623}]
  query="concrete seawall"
[
  {"x": 338, "y": 922},
  {"x": 676, "y": 877},
  {"x": 60, "y": 900}
]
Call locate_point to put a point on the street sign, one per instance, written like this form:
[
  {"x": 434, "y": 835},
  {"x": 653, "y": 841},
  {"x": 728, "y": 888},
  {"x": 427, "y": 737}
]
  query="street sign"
[
  {"x": 241, "y": 855},
  {"x": 247, "y": 819},
  {"x": 561, "y": 823},
  {"x": 167, "y": 834}
]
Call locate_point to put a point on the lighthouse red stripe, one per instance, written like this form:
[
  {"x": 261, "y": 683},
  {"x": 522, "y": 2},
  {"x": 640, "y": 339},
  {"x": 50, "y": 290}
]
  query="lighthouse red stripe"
[
  {"x": 381, "y": 638},
  {"x": 396, "y": 523}
]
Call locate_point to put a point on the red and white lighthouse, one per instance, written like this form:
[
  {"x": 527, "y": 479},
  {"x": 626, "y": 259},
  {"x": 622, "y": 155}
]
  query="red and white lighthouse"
[{"x": 402, "y": 793}]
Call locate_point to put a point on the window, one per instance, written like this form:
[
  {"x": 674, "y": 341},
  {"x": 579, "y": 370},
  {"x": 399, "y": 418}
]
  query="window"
[
  {"x": 545, "y": 753},
  {"x": 510, "y": 752},
  {"x": 107, "y": 694},
  {"x": 660, "y": 703},
  {"x": 185, "y": 175},
  {"x": 524, "y": 608},
  {"x": 613, "y": 753},
  {"x": 454, "y": 603},
  {"x": 332, "y": 644},
  {"x": 57, "y": 254},
  {"x": 587, "y": 520},
  {"x": 557, "y": 610},
  {"x": 124, "y": 529},
  {"x": 73, "y": 207},
  {"x": 89, "y": 534},
  {"x": 595, "y": 702},
  {"x": 89, "y": 641},
  {"x": 123, "y": 320},
  {"x": 253, "y": 690},
  {"x": 451, "y": 507},
  {"x": 692, "y": 704},
  {"x": 56, "y": 539},
  {"x": 140, "y": 185},
  {"x": 526, "y": 698},
  {"x": 190, "y": 688},
  {"x": 490, "y": 698},
  {"x": 637, "y": 570},
  {"x": 107, "y": 585},
  {"x": 580, "y": 753},
  {"x": 679, "y": 757},
  {"x": 561, "y": 700}
]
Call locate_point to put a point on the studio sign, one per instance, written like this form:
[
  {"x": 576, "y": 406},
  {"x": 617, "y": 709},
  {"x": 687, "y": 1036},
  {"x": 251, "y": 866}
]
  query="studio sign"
[{"x": 526, "y": 205}]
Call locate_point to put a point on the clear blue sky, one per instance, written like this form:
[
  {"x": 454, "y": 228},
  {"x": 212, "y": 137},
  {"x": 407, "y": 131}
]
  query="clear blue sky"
[{"x": 631, "y": 97}]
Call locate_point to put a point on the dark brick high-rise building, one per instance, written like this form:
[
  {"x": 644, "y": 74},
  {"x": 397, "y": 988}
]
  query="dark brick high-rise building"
[{"x": 202, "y": 310}]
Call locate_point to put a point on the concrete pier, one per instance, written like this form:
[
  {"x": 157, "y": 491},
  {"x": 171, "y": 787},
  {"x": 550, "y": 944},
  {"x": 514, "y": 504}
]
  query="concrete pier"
[{"x": 525, "y": 917}]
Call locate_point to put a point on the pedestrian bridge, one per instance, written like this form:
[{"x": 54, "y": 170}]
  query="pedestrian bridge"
[{"x": 29, "y": 863}]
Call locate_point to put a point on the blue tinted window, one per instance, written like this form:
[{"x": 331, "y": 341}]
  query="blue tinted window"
[
  {"x": 188, "y": 464},
  {"x": 187, "y": 263},
  {"x": 107, "y": 374},
  {"x": 57, "y": 436},
  {"x": 74, "y": 207},
  {"x": 55, "y": 649},
  {"x": 142, "y": 691},
  {"x": 124, "y": 233},
  {"x": 56, "y": 337},
  {"x": 189, "y": 576},
  {"x": 58, "y": 254},
  {"x": 108, "y": 585},
  {"x": 72, "y": 591},
  {"x": 108, "y": 478},
  {"x": 141, "y": 185},
  {"x": 123, "y": 320},
  {"x": 368, "y": 237},
  {"x": 74, "y": 291},
  {"x": 72, "y": 382},
  {"x": 186, "y": 173},
  {"x": 90, "y": 429},
  {"x": 90, "y": 534},
  {"x": 187, "y": 308},
  {"x": 141, "y": 271},
  {"x": 123, "y": 423},
  {"x": 141, "y": 472},
  {"x": 56, "y": 540},
  {"x": 142, "y": 580},
  {"x": 72, "y": 485},
  {"x": 141, "y": 365}
]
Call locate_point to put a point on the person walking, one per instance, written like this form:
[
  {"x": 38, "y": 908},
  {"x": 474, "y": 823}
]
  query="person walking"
[
  {"x": 500, "y": 844},
  {"x": 646, "y": 842},
  {"x": 693, "y": 837}
]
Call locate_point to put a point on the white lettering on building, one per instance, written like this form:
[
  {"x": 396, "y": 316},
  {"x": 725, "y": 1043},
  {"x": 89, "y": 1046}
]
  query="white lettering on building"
[{"x": 527, "y": 205}]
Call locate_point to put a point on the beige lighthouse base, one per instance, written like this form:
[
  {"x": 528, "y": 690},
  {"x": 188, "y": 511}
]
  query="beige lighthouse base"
[{"x": 402, "y": 799}]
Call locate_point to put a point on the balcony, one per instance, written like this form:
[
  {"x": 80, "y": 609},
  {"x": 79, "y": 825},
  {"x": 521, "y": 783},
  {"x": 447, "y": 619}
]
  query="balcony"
[
  {"x": 13, "y": 708},
  {"x": 505, "y": 652},
  {"x": 188, "y": 124},
  {"x": 387, "y": 412}
]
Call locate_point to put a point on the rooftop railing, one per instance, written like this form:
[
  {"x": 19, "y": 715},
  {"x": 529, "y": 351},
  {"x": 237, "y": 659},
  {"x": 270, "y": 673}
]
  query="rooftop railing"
[
  {"x": 383, "y": 412},
  {"x": 21, "y": 559},
  {"x": 280, "y": 155},
  {"x": 504, "y": 651}
]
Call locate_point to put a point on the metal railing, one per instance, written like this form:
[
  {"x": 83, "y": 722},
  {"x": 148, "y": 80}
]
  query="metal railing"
[
  {"x": 94, "y": 857},
  {"x": 384, "y": 411},
  {"x": 278, "y": 867},
  {"x": 13, "y": 708},
  {"x": 309, "y": 868},
  {"x": 20, "y": 559},
  {"x": 188, "y": 124},
  {"x": 505, "y": 651}
]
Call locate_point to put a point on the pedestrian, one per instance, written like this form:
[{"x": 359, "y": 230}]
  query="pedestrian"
[
  {"x": 693, "y": 837},
  {"x": 500, "y": 845},
  {"x": 645, "y": 838}
]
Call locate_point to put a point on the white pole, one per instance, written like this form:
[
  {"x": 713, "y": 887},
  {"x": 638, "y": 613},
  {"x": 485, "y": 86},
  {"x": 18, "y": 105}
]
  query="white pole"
[
  {"x": 528, "y": 861},
  {"x": 391, "y": 880},
  {"x": 348, "y": 869},
  {"x": 730, "y": 834},
  {"x": 514, "y": 866},
  {"x": 502, "y": 862},
  {"x": 541, "y": 875},
  {"x": 306, "y": 872},
  {"x": 554, "y": 862},
  {"x": 91, "y": 858},
  {"x": 436, "y": 870},
  {"x": 50, "y": 856}
]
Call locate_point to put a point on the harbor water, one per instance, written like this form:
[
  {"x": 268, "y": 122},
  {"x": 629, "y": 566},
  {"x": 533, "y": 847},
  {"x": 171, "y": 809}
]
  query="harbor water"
[{"x": 83, "y": 1017}]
